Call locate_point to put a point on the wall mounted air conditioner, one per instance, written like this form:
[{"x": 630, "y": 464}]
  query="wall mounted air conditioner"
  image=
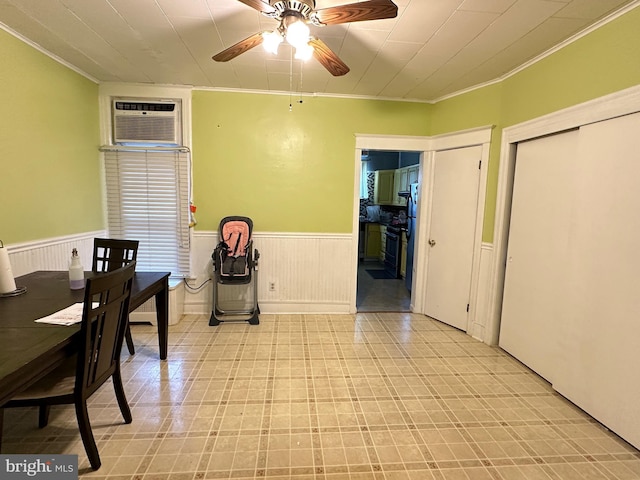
[{"x": 146, "y": 121}]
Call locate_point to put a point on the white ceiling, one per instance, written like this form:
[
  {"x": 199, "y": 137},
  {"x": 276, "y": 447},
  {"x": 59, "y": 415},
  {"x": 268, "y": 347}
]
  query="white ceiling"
[{"x": 434, "y": 48}]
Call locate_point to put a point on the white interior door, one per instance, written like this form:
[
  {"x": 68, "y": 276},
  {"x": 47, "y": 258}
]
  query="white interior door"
[
  {"x": 451, "y": 234},
  {"x": 535, "y": 291}
]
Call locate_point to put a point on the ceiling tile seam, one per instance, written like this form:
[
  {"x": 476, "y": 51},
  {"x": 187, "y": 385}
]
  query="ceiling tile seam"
[
  {"x": 195, "y": 60},
  {"x": 374, "y": 58},
  {"x": 88, "y": 27},
  {"x": 533, "y": 28},
  {"x": 424, "y": 45}
]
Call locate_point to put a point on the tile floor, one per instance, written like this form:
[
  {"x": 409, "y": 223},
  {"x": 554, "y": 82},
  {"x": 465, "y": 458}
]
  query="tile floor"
[{"x": 383, "y": 396}]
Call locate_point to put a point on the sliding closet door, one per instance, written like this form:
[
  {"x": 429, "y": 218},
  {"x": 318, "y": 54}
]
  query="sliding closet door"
[
  {"x": 535, "y": 290},
  {"x": 601, "y": 348}
]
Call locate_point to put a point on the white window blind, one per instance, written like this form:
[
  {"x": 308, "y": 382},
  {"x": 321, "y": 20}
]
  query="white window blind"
[{"x": 148, "y": 201}]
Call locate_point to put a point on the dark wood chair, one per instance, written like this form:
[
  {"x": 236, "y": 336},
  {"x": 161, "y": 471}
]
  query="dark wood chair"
[
  {"x": 104, "y": 321},
  {"x": 110, "y": 254}
]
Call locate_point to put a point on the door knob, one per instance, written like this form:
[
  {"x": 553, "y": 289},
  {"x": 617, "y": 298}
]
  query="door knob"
[{"x": 432, "y": 243}]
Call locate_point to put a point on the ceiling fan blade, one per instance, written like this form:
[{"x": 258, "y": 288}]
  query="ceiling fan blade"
[
  {"x": 240, "y": 47},
  {"x": 328, "y": 58},
  {"x": 259, "y": 5},
  {"x": 357, "y": 12}
]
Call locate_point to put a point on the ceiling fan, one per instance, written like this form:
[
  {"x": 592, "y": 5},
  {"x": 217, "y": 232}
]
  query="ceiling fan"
[{"x": 294, "y": 16}]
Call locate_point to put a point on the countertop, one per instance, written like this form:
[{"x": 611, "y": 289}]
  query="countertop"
[{"x": 401, "y": 226}]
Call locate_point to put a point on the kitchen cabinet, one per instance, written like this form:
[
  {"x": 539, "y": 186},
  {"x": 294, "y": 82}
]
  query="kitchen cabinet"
[
  {"x": 383, "y": 187},
  {"x": 400, "y": 184},
  {"x": 383, "y": 243},
  {"x": 404, "y": 177},
  {"x": 372, "y": 241},
  {"x": 403, "y": 254},
  {"x": 412, "y": 174}
]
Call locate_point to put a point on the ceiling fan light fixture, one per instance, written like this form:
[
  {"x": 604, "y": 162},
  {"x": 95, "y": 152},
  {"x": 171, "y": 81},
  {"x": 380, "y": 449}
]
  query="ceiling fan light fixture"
[
  {"x": 297, "y": 34},
  {"x": 304, "y": 52},
  {"x": 271, "y": 41}
]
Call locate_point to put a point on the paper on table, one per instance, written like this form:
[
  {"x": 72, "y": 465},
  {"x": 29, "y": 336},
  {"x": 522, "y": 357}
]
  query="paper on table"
[{"x": 68, "y": 316}]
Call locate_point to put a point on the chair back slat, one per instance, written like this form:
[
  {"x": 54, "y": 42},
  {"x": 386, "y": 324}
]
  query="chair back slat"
[
  {"x": 110, "y": 254},
  {"x": 104, "y": 323}
]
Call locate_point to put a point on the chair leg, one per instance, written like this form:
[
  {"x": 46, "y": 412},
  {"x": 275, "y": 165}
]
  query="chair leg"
[
  {"x": 1, "y": 424},
  {"x": 43, "y": 415},
  {"x": 129, "y": 340},
  {"x": 120, "y": 396},
  {"x": 86, "y": 434}
]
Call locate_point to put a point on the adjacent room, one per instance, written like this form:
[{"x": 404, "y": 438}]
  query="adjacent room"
[{"x": 320, "y": 239}]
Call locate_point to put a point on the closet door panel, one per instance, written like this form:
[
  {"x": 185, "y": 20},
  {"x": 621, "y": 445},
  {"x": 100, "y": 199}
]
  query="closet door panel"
[
  {"x": 534, "y": 301},
  {"x": 600, "y": 343}
]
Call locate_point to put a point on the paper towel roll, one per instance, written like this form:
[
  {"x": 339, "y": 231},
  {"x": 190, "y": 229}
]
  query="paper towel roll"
[{"x": 7, "y": 282}]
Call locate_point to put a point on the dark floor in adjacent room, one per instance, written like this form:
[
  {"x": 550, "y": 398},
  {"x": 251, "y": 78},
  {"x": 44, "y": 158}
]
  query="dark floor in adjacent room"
[{"x": 380, "y": 295}]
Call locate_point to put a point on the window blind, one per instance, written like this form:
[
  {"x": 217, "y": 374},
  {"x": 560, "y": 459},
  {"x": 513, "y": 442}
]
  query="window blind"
[{"x": 148, "y": 201}]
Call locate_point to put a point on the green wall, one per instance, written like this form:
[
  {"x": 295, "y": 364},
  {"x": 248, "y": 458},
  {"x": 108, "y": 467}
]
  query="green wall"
[
  {"x": 604, "y": 61},
  {"x": 294, "y": 170},
  {"x": 50, "y": 183},
  {"x": 290, "y": 171}
]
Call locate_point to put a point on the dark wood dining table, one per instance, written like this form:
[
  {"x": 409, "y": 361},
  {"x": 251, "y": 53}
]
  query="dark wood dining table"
[{"x": 30, "y": 350}]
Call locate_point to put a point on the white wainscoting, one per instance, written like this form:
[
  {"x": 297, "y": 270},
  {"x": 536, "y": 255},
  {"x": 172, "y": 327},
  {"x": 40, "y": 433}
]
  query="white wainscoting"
[
  {"x": 310, "y": 271},
  {"x": 51, "y": 253},
  {"x": 55, "y": 254}
]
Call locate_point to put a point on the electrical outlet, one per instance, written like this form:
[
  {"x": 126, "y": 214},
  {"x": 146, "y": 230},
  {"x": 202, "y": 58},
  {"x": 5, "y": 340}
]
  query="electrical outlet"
[{"x": 272, "y": 286}]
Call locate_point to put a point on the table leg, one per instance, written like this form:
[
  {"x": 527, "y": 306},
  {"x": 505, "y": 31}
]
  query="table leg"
[{"x": 162, "y": 312}]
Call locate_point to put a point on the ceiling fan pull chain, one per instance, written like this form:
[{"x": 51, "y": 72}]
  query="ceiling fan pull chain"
[
  {"x": 290, "y": 79},
  {"x": 300, "y": 85}
]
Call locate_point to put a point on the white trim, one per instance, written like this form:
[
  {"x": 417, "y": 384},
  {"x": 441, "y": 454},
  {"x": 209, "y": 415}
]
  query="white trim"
[
  {"x": 477, "y": 241},
  {"x": 590, "y": 29},
  {"x": 311, "y": 94},
  {"x": 108, "y": 90},
  {"x": 462, "y": 138},
  {"x": 339, "y": 236},
  {"x": 392, "y": 142},
  {"x": 47, "y": 242},
  {"x": 47, "y": 53},
  {"x": 603, "y": 108},
  {"x": 427, "y": 146},
  {"x": 279, "y": 307},
  {"x": 623, "y": 102},
  {"x": 507, "y": 75},
  {"x": 574, "y": 38},
  {"x": 51, "y": 253}
]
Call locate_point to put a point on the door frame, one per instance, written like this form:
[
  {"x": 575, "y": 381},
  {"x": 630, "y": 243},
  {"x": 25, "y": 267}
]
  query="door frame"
[
  {"x": 623, "y": 102},
  {"x": 427, "y": 146}
]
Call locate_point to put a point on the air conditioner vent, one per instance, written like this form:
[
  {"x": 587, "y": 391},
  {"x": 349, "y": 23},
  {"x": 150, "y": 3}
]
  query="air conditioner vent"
[
  {"x": 146, "y": 122},
  {"x": 149, "y": 107}
]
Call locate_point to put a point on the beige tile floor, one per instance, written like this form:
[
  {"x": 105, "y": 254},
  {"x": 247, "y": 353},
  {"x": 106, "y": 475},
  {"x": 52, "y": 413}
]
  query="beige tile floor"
[{"x": 384, "y": 396}]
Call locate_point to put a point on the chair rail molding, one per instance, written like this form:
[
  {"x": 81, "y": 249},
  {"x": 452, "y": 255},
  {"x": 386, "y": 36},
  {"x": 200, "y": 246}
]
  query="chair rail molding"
[{"x": 51, "y": 253}]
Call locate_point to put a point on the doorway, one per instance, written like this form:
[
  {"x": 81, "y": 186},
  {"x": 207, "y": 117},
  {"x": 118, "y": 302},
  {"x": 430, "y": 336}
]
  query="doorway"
[{"x": 383, "y": 284}]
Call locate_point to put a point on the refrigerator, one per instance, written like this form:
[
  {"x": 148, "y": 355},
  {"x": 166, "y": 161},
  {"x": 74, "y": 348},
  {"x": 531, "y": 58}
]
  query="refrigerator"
[{"x": 412, "y": 209}]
